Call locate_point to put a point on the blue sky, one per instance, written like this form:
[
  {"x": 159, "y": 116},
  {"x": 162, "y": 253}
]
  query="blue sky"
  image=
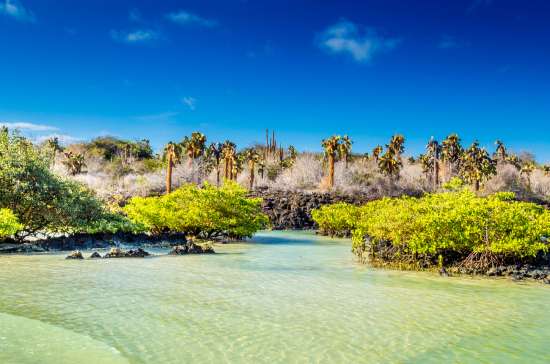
[{"x": 308, "y": 69}]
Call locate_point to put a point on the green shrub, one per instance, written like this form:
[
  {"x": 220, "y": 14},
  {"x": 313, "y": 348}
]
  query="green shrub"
[
  {"x": 9, "y": 225},
  {"x": 208, "y": 211},
  {"x": 114, "y": 223},
  {"x": 337, "y": 219},
  {"x": 452, "y": 224},
  {"x": 40, "y": 200}
]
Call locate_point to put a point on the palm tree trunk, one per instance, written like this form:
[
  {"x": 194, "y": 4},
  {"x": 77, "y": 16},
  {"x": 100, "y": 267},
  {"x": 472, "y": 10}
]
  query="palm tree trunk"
[
  {"x": 169, "y": 174},
  {"x": 226, "y": 166},
  {"x": 331, "y": 171},
  {"x": 251, "y": 180},
  {"x": 436, "y": 174}
]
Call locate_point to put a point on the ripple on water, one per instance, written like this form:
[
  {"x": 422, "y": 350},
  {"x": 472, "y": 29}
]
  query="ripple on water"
[{"x": 272, "y": 302}]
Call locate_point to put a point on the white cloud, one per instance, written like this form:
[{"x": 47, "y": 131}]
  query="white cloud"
[
  {"x": 183, "y": 17},
  {"x": 362, "y": 45},
  {"x": 16, "y": 10},
  {"x": 24, "y": 126},
  {"x": 135, "y": 36},
  {"x": 191, "y": 102},
  {"x": 64, "y": 139}
]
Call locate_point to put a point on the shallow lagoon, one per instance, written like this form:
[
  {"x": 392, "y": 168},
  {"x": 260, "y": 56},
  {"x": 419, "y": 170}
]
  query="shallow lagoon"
[{"x": 282, "y": 297}]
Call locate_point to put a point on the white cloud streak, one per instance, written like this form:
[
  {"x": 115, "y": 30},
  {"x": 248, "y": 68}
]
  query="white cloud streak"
[
  {"x": 191, "y": 102},
  {"x": 135, "y": 36},
  {"x": 16, "y": 10},
  {"x": 361, "y": 43},
  {"x": 24, "y": 126},
  {"x": 183, "y": 17}
]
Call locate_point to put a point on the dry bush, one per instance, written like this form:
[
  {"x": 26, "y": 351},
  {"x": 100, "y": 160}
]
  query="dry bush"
[
  {"x": 540, "y": 184},
  {"x": 305, "y": 174}
]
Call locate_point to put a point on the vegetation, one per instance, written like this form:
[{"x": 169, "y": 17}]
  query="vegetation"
[
  {"x": 9, "y": 224},
  {"x": 454, "y": 228},
  {"x": 338, "y": 219},
  {"x": 336, "y": 147},
  {"x": 42, "y": 201},
  {"x": 207, "y": 212}
]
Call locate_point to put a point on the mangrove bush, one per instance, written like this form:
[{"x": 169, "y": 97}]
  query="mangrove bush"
[
  {"x": 455, "y": 227},
  {"x": 206, "y": 211}
]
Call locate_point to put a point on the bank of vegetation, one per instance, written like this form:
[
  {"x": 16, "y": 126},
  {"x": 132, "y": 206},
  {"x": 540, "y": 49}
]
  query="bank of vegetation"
[
  {"x": 35, "y": 201},
  {"x": 455, "y": 229}
]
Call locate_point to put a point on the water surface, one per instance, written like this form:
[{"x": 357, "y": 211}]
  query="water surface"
[{"x": 284, "y": 297}]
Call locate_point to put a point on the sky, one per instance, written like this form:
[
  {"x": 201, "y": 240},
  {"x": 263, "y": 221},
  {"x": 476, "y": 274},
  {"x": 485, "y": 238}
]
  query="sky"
[{"x": 308, "y": 69}]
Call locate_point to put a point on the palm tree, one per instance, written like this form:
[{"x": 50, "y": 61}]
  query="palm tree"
[
  {"x": 451, "y": 153},
  {"x": 476, "y": 165},
  {"x": 331, "y": 146},
  {"x": 171, "y": 155},
  {"x": 344, "y": 149},
  {"x": 389, "y": 164},
  {"x": 215, "y": 152},
  {"x": 426, "y": 163},
  {"x": 194, "y": 146},
  {"x": 397, "y": 145},
  {"x": 433, "y": 151},
  {"x": 500, "y": 153},
  {"x": 237, "y": 166},
  {"x": 251, "y": 156},
  {"x": 376, "y": 152},
  {"x": 74, "y": 163},
  {"x": 55, "y": 147},
  {"x": 229, "y": 152}
]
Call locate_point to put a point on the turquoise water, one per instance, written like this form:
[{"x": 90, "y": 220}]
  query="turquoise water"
[{"x": 284, "y": 297}]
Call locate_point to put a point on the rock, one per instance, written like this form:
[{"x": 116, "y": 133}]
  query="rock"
[
  {"x": 192, "y": 248},
  {"x": 443, "y": 272},
  {"x": 75, "y": 255},
  {"x": 119, "y": 253},
  {"x": 292, "y": 209},
  {"x": 138, "y": 253},
  {"x": 496, "y": 271},
  {"x": 546, "y": 281},
  {"x": 114, "y": 253},
  {"x": 95, "y": 255},
  {"x": 536, "y": 274},
  {"x": 517, "y": 276}
]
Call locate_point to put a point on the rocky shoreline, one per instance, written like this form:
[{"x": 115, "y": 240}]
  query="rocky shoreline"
[
  {"x": 189, "y": 247},
  {"x": 291, "y": 210},
  {"x": 91, "y": 241}
]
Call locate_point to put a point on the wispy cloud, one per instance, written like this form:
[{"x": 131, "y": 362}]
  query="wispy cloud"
[
  {"x": 16, "y": 10},
  {"x": 24, "y": 126},
  {"x": 183, "y": 17},
  {"x": 191, "y": 102},
  {"x": 135, "y": 36},
  {"x": 449, "y": 42},
  {"x": 64, "y": 139},
  {"x": 361, "y": 43}
]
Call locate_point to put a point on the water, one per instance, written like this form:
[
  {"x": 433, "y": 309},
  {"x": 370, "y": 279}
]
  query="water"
[{"x": 283, "y": 298}]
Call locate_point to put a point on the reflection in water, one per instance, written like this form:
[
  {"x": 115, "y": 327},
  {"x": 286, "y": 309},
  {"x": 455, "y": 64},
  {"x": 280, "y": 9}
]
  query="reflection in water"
[{"x": 284, "y": 297}]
